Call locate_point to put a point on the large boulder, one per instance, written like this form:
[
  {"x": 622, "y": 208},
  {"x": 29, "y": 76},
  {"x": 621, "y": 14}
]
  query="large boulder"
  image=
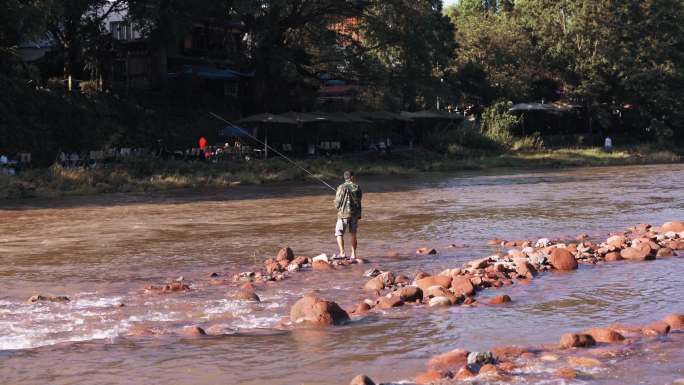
[
  {"x": 247, "y": 295},
  {"x": 436, "y": 280},
  {"x": 380, "y": 282},
  {"x": 500, "y": 300},
  {"x": 605, "y": 335},
  {"x": 675, "y": 226},
  {"x": 389, "y": 302},
  {"x": 410, "y": 293},
  {"x": 462, "y": 285},
  {"x": 573, "y": 340},
  {"x": 657, "y": 328},
  {"x": 317, "y": 312},
  {"x": 676, "y": 321},
  {"x": 361, "y": 379},
  {"x": 285, "y": 253},
  {"x": 641, "y": 252},
  {"x": 562, "y": 259},
  {"x": 449, "y": 360}
]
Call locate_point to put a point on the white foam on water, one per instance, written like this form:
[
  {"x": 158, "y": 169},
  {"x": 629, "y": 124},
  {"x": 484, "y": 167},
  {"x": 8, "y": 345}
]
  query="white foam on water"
[
  {"x": 252, "y": 322},
  {"x": 99, "y": 302},
  {"x": 155, "y": 317}
]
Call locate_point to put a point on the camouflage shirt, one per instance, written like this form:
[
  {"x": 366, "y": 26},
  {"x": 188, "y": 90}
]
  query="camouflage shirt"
[{"x": 348, "y": 200}]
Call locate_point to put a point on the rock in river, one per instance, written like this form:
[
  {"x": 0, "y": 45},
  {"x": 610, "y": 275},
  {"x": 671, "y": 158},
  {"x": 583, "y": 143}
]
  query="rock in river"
[
  {"x": 317, "y": 311},
  {"x": 361, "y": 379},
  {"x": 573, "y": 340},
  {"x": 562, "y": 259}
]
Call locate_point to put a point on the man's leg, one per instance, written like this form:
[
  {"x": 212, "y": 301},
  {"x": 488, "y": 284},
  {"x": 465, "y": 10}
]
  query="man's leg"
[
  {"x": 353, "y": 242},
  {"x": 339, "y": 235},
  {"x": 340, "y": 244}
]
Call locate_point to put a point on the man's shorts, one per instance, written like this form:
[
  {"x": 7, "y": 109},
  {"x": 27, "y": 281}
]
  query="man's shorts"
[{"x": 344, "y": 225}]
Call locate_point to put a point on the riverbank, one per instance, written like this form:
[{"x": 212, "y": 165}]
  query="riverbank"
[{"x": 149, "y": 175}]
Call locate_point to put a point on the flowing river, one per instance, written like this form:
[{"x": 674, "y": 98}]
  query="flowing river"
[{"x": 101, "y": 251}]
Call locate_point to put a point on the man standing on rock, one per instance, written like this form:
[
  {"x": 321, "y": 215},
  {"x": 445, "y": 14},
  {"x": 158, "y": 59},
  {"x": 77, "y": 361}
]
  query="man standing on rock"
[{"x": 348, "y": 205}]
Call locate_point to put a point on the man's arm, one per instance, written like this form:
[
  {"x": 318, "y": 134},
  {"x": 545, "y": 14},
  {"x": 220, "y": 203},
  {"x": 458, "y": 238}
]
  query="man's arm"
[{"x": 338, "y": 197}]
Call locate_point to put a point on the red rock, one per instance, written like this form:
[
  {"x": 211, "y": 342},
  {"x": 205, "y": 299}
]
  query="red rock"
[
  {"x": 584, "y": 361},
  {"x": 617, "y": 241},
  {"x": 640, "y": 253},
  {"x": 509, "y": 244},
  {"x": 272, "y": 266},
  {"x": 410, "y": 293},
  {"x": 402, "y": 280},
  {"x": 507, "y": 366},
  {"x": 437, "y": 280},
  {"x": 247, "y": 286},
  {"x": 321, "y": 265},
  {"x": 420, "y": 275},
  {"x": 374, "y": 284},
  {"x": 361, "y": 308},
  {"x": 393, "y": 254},
  {"x": 613, "y": 256},
  {"x": 626, "y": 330},
  {"x": 675, "y": 226},
  {"x": 665, "y": 252},
  {"x": 286, "y": 254},
  {"x": 426, "y": 251},
  {"x": 566, "y": 373},
  {"x": 495, "y": 242},
  {"x": 465, "y": 373},
  {"x": 247, "y": 295},
  {"x": 642, "y": 227},
  {"x": 500, "y": 300},
  {"x": 605, "y": 335},
  {"x": 462, "y": 285},
  {"x": 562, "y": 259},
  {"x": 573, "y": 340},
  {"x": 317, "y": 311},
  {"x": 299, "y": 261},
  {"x": 489, "y": 370},
  {"x": 676, "y": 321},
  {"x": 387, "y": 303},
  {"x": 47, "y": 298},
  {"x": 582, "y": 237},
  {"x": 469, "y": 301},
  {"x": 504, "y": 353},
  {"x": 361, "y": 379},
  {"x": 526, "y": 269},
  {"x": 657, "y": 328},
  {"x": 192, "y": 331},
  {"x": 449, "y": 360},
  {"x": 431, "y": 377}
]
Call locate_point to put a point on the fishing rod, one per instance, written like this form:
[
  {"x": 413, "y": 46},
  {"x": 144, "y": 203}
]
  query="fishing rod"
[{"x": 274, "y": 150}]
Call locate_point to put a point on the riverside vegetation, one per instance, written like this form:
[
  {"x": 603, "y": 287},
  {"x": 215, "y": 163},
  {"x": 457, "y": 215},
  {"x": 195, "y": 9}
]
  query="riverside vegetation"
[{"x": 148, "y": 175}]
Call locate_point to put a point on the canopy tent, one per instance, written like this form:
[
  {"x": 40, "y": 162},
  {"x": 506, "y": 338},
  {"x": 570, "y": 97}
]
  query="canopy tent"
[
  {"x": 422, "y": 115},
  {"x": 384, "y": 115},
  {"x": 301, "y": 117},
  {"x": 266, "y": 120},
  {"x": 546, "y": 118}
]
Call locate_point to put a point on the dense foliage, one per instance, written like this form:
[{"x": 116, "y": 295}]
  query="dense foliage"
[{"x": 403, "y": 54}]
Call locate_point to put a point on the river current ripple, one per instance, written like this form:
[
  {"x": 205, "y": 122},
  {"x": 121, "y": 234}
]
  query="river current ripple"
[{"x": 101, "y": 251}]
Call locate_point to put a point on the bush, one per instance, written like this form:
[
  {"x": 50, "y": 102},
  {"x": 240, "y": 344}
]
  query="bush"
[{"x": 498, "y": 124}]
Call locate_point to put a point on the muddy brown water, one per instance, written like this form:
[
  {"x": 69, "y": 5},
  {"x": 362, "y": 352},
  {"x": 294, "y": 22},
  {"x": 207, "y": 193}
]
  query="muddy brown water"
[{"x": 100, "y": 251}]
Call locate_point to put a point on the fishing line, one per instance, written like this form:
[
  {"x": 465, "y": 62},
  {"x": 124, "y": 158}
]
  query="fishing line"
[{"x": 274, "y": 150}]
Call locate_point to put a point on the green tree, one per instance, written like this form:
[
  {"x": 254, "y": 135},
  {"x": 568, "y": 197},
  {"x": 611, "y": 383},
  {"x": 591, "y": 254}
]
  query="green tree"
[{"x": 409, "y": 45}]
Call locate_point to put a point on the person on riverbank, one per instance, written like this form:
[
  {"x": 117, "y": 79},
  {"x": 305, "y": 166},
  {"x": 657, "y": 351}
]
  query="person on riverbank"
[{"x": 348, "y": 205}]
